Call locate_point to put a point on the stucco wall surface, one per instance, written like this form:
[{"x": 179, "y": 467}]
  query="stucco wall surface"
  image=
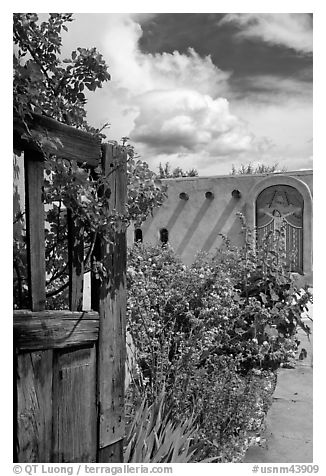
[{"x": 195, "y": 224}]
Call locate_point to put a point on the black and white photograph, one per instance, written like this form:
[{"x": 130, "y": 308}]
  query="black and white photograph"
[{"x": 163, "y": 242}]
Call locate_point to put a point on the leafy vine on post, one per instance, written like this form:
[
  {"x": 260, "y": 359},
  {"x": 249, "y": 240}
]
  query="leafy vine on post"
[{"x": 47, "y": 85}]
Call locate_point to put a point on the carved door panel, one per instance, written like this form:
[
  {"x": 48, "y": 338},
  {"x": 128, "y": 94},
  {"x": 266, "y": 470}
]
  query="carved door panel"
[{"x": 282, "y": 205}]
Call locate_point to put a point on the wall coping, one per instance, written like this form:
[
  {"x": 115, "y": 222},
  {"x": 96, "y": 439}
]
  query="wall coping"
[{"x": 241, "y": 176}]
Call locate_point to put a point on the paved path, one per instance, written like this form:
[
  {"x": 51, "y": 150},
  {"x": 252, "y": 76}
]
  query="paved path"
[{"x": 289, "y": 423}]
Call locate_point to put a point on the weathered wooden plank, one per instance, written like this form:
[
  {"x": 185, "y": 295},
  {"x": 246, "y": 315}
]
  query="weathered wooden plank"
[
  {"x": 15, "y": 407},
  {"x": 62, "y": 140},
  {"x": 53, "y": 314},
  {"x": 76, "y": 264},
  {"x": 74, "y": 406},
  {"x": 34, "y": 407},
  {"x": 112, "y": 309},
  {"x": 54, "y": 329},
  {"x": 35, "y": 229},
  {"x": 112, "y": 453}
]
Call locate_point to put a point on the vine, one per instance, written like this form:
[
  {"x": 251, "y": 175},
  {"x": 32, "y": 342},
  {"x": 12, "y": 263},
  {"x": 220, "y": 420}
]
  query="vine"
[{"x": 46, "y": 84}]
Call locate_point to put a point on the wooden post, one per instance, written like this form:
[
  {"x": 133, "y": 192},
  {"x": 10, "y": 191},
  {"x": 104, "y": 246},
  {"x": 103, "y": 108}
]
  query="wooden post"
[
  {"x": 109, "y": 298},
  {"x": 35, "y": 229},
  {"x": 76, "y": 264}
]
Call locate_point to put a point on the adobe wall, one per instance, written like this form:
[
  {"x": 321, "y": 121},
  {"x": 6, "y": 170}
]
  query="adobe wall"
[{"x": 195, "y": 224}]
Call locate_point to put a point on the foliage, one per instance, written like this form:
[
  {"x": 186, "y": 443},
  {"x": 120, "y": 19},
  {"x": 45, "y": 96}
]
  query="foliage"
[
  {"x": 20, "y": 289},
  {"x": 86, "y": 194},
  {"x": 46, "y": 84},
  {"x": 155, "y": 437},
  {"x": 145, "y": 191},
  {"x": 209, "y": 331},
  {"x": 230, "y": 407},
  {"x": 43, "y": 82},
  {"x": 166, "y": 172},
  {"x": 250, "y": 169}
]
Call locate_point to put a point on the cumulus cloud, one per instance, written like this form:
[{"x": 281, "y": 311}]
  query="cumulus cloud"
[
  {"x": 189, "y": 121},
  {"x": 185, "y": 121},
  {"x": 176, "y": 100},
  {"x": 139, "y": 72},
  {"x": 293, "y": 30},
  {"x": 179, "y": 107}
]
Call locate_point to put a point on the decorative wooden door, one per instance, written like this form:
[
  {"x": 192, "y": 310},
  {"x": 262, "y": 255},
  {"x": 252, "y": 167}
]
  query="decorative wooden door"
[{"x": 282, "y": 205}]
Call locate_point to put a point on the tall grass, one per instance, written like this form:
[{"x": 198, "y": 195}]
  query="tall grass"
[{"x": 154, "y": 437}]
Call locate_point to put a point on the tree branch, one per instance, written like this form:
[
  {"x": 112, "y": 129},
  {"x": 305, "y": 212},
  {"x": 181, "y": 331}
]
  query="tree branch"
[
  {"x": 57, "y": 275},
  {"x": 57, "y": 291},
  {"x": 19, "y": 217},
  {"x": 90, "y": 251}
]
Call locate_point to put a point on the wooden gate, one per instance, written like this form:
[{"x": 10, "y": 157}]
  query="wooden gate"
[{"x": 69, "y": 365}]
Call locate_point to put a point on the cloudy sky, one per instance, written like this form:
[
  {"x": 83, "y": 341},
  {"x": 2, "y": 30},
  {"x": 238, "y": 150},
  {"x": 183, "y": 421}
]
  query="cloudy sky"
[{"x": 204, "y": 90}]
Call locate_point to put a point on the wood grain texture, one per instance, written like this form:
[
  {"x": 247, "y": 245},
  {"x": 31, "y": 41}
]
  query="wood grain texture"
[
  {"x": 54, "y": 329},
  {"x": 35, "y": 229},
  {"x": 34, "y": 407},
  {"x": 62, "y": 140},
  {"x": 112, "y": 308},
  {"x": 74, "y": 406}
]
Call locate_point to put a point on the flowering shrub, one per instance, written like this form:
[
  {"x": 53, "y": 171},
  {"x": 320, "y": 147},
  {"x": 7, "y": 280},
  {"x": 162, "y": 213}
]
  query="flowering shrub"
[{"x": 213, "y": 333}]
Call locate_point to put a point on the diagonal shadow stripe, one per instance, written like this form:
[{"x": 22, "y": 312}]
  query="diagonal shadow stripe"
[
  {"x": 235, "y": 232},
  {"x": 219, "y": 225},
  {"x": 175, "y": 215},
  {"x": 194, "y": 225},
  {"x": 147, "y": 223}
]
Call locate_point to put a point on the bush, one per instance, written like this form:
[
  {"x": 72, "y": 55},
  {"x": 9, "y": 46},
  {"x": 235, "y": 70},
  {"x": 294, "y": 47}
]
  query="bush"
[
  {"x": 230, "y": 408},
  {"x": 213, "y": 334}
]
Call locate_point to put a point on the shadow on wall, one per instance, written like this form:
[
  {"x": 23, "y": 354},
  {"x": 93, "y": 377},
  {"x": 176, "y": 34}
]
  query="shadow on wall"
[
  {"x": 194, "y": 225},
  {"x": 219, "y": 225},
  {"x": 175, "y": 215},
  {"x": 235, "y": 232}
]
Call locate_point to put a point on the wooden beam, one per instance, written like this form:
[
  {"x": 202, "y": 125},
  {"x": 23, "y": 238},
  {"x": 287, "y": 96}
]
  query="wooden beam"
[
  {"x": 60, "y": 139},
  {"x": 109, "y": 297},
  {"x": 54, "y": 329},
  {"x": 34, "y": 182}
]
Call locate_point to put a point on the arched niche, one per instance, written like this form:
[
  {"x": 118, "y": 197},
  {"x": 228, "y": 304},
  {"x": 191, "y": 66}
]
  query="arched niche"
[
  {"x": 138, "y": 235},
  {"x": 164, "y": 235},
  {"x": 281, "y": 207},
  {"x": 302, "y": 190}
]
